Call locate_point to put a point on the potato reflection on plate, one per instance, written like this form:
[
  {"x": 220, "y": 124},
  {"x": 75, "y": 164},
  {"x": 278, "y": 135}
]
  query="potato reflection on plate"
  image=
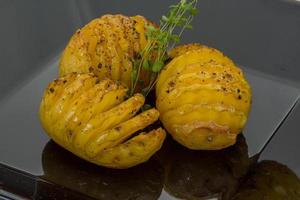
[
  {"x": 63, "y": 168},
  {"x": 270, "y": 180},
  {"x": 205, "y": 174}
]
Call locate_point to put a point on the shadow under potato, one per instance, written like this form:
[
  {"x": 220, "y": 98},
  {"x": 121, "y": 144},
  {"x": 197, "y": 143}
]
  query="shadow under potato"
[
  {"x": 270, "y": 180},
  {"x": 191, "y": 174},
  {"x": 65, "y": 169},
  {"x": 183, "y": 173}
]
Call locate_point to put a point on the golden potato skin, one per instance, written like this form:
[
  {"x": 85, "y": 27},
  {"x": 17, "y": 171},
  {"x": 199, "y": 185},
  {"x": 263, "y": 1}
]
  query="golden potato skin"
[
  {"x": 91, "y": 119},
  {"x": 182, "y": 49},
  {"x": 203, "y": 98},
  {"x": 106, "y": 46}
]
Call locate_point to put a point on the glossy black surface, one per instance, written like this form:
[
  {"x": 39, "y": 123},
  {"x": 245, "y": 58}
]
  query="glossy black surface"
[
  {"x": 261, "y": 35},
  {"x": 174, "y": 172}
]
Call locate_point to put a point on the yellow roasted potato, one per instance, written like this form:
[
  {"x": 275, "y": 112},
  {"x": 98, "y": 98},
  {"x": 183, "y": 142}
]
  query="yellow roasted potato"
[
  {"x": 91, "y": 119},
  {"x": 107, "y": 47},
  {"x": 182, "y": 49},
  {"x": 203, "y": 98}
]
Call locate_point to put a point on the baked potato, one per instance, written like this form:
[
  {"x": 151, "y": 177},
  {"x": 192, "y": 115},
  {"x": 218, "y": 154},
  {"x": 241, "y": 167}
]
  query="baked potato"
[
  {"x": 91, "y": 119},
  {"x": 107, "y": 46},
  {"x": 203, "y": 98}
]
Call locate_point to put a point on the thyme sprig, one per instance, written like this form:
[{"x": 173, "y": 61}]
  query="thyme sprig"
[{"x": 153, "y": 57}]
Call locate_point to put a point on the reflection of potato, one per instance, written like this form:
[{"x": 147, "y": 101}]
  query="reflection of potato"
[
  {"x": 270, "y": 180},
  {"x": 107, "y": 47},
  {"x": 92, "y": 120},
  {"x": 201, "y": 174},
  {"x": 140, "y": 182},
  {"x": 203, "y": 98}
]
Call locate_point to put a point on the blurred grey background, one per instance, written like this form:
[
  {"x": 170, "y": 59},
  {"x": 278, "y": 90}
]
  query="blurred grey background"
[{"x": 260, "y": 34}]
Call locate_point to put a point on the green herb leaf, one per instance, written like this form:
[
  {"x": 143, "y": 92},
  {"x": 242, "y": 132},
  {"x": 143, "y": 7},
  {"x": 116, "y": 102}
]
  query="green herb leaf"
[
  {"x": 146, "y": 64},
  {"x": 151, "y": 28},
  {"x": 194, "y": 11},
  {"x": 154, "y": 55},
  {"x": 134, "y": 75},
  {"x": 189, "y": 27},
  {"x": 146, "y": 107},
  {"x": 157, "y": 66},
  {"x": 175, "y": 38},
  {"x": 164, "y": 18}
]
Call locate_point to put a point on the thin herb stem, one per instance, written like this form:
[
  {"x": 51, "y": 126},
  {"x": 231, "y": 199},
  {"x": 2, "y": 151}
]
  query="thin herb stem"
[
  {"x": 151, "y": 87},
  {"x": 161, "y": 40}
]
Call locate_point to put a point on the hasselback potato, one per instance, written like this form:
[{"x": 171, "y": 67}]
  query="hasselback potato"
[
  {"x": 202, "y": 97},
  {"x": 107, "y": 46},
  {"x": 91, "y": 119}
]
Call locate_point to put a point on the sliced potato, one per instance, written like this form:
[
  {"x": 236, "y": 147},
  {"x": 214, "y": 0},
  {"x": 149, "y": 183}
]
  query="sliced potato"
[
  {"x": 109, "y": 119},
  {"x": 106, "y": 46},
  {"x": 207, "y": 94},
  {"x": 214, "y": 77},
  {"x": 120, "y": 133},
  {"x": 182, "y": 49},
  {"x": 210, "y": 123},
  {"x": 88, "y": 118},
  {"x": 204, "y": 55},
  {"x": 139, "y": 148},
  {"x": 219, "y": 118},
  {"x": 203, "y": 98}
]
